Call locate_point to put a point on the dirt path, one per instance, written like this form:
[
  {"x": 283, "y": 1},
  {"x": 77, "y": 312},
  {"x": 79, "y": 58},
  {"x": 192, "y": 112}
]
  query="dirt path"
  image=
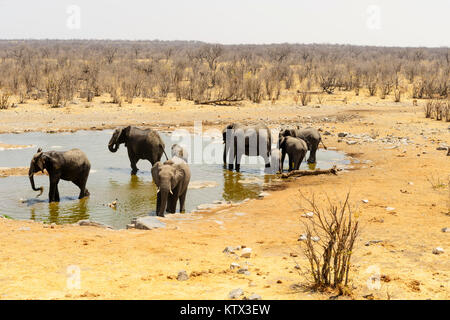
[{"x": 130, "y": 264}]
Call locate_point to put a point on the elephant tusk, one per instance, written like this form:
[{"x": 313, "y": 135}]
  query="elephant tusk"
[
  {"x": 171, "y": 192},
  {"x": 157, "y": 191}
]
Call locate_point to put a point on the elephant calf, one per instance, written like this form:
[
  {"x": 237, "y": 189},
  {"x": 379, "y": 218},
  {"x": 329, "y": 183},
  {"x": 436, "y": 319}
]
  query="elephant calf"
[
  {"x": 172, "y": 180},
  {"x": 311, "y": 136},
  {"x": 72, "y": 165},
  {"x": 296, "y": 149},
  {"x": 141, "y": 144}
]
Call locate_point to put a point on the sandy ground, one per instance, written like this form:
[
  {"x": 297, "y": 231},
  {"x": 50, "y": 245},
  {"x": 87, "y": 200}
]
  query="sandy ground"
[{"x": 133, "y": 264}]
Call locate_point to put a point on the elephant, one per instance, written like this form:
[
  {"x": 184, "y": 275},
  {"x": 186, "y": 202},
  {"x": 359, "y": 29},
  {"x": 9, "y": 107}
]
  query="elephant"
[
  {"x": 72, "y": 165},
  {"x": 180, "y": 152},
  {"x": 310, "y": 135},
  {"x": 295, "y": 148},
  {"x": 275, "y": 160},
  {"x": 172, "y": 180},
  {"x": 141, "y": 144},
  {"x": 239, "y": 140}
]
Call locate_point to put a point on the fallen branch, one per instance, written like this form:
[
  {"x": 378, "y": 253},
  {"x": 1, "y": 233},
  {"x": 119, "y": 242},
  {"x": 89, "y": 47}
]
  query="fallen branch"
[
  {"x": 226, "y": 101},
  {"x": 300, "y": 173}
]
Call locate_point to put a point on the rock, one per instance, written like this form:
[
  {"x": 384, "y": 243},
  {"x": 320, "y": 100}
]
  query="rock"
[
  {"x": 308, "y": 215},
  {"x": 246, "y": 253},
  {"x": 244, "y": 270},
  {"x": 234, "y": 265},
  {"x": 131, "y": 226},
  {"x": 441, "y": 148},
  {"x": 315, "y": 239},
  {"x": 351, "y": 142},
  {"x": 342, "y": 134},
  {"x": 445, "y": 229},
  {"x": 149, "y": 223},
  {"x": 327, "y": 133},
  {"x": 89, "y": 223},
  {"x": 263, "y": 194},
  {"x": 182, "y": 276},
  {"x": 236, "y": 293},
  {"x": 254, "y": 297},
  {"x": 228, "y": 249},
  {"x": 24, "y": 229},
  {"x": 368, "y": 243},
  {"x": 390, "y": 209},
  {"x": 303, "y": 237},
  {"x": 365, "y": 201},
  {"x": 438, "y": 250}
]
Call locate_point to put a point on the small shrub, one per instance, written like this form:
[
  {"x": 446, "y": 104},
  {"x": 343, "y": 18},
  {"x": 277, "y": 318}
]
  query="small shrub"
[
  {"x": 330, "y": 237},
  {"x": 4, "y": 100}
]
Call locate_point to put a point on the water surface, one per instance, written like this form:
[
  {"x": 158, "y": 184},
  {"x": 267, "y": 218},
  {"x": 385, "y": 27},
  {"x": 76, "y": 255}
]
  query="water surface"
[{"x": 110, "y": 179}]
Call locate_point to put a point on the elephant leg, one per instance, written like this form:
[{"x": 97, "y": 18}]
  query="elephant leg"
[
  {"x": 52, "y": 197},
  {"x": 81, "y": 183},
  {"x": 172, "y": 203},
  {"x": 298, "y": 161},
  {"x": 182, "y": 201},
  {"x": 312, "y": 154},
  {"x": 158, "y": 202},
  {"x": 283, "y": 155},
  {"x": 133, "y": 161},
  {"x": 56, "y": 193},
  {"x": 238, "y": 163}
]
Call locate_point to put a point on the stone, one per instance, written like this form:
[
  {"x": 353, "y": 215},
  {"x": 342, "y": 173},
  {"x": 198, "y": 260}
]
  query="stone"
[
  {"x": 149, "y": 223},
  {"x": 308, "y": 215},
  {"x": 24, "y": 229},
  {"x": 131, "y": 226},
  {"x": 254, "y": 297},
  {"x": 182, "y": 276},
  {"x": 365, "y": 201},
  {"x": 342, "y": 134},
  {"x": 236, "y": 293},
  {"x": 263, "y": 194},
  {"x": 351, "y": 142},
  {"x": 370, "y": 242},
  {"x": 390, "y": 209},
  {"x": 438, "y": 250},
  {"x": 244, "y": 270},
  {"x": 228, "y": 249},
  {"x": 303, "y": 237},
  {"x": 445, "y": 229},
  {"x": 234, "y": 265},
  {"x": 246, "y": 253},
  {"x": 315, "y": 239},
  {"x": 89, "y": 223}
]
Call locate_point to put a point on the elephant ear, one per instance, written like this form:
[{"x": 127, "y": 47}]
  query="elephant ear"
[
  {"x": 125, "y": 134},
  {"x": 282, "y": 142},
  {"x": 49, "y": 162},
  {"x": 38, "y": 161},
  {"x": 155, "y": 172},
  {"x": 179, "y": 174}
]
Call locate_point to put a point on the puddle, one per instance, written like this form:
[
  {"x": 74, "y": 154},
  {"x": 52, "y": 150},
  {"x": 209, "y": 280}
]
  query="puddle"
[{"x": 110, "y": 180}]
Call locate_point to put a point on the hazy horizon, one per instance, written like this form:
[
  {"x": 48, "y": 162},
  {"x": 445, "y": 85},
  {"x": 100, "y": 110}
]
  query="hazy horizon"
[{"x": 348, "y": 22}]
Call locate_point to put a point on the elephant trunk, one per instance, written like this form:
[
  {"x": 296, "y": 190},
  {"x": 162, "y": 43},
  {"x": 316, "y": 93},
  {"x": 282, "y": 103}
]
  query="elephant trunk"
[
  {"x": 31, "y": 176},
  {"x": 164, "y": 195},
  {"x": 113, "y": 147}
]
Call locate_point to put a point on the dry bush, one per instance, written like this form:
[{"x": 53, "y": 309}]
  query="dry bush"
[
  {"x": 330, "y": 238},
  {"x": 4, "y": 100},
  {"x": 428, "y": 109},
  {"x": 305, "y": 97},
  {"x": 397, "y": 95}
]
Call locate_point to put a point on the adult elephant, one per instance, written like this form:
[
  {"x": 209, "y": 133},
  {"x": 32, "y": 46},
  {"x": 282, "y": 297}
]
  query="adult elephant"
[
  {"x": 72, "y": 165},
  {"x": 172, "y": 180},
  {"x": 310, "y": 135},
  {"x": 239, "y": 139},
  {"x": 141, "y": 144}
]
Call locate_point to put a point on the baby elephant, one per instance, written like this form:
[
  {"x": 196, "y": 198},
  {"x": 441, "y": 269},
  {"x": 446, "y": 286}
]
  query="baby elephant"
[
  {"x": 179, "y": 151},
  {"x": 296, "y": 149},
  {"x": 172, "y": 180},
  {"x": 72, "y": 165}
]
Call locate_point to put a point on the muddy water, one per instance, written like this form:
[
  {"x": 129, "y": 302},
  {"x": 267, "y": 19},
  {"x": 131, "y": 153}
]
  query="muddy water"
[{"x": 110, "y": 179}]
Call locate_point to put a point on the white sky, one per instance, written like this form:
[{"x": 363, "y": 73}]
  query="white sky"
[{"x": 361, "y": 22}]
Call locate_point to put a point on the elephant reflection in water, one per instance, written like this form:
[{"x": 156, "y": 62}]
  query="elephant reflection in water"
[
  {"x": 60, "y": 213},
  {"x": 235, "y": 191}
]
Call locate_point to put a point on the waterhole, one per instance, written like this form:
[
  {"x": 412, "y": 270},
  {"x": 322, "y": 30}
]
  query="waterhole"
[{"x": 110, "y": 179}]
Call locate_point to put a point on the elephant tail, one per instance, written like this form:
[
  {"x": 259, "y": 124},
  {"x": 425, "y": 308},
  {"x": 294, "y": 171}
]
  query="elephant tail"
[
  {"x": 167, "y": 158},
  {"x": 324, "y": 146}
]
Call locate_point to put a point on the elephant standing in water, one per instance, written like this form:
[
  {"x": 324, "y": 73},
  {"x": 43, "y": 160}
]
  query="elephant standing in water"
[
  {"x": 172, "y": 180},
  {"x": 249, "y": 140},
  {"x": 72, "y": 165},
  {"x": 141, "y": 144},
  {"x": 295, "y": 148},
  {"x": 311, "y": 136}
]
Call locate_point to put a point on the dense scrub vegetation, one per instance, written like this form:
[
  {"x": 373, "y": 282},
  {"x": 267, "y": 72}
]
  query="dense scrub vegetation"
[{"x": 58, "y": 71}]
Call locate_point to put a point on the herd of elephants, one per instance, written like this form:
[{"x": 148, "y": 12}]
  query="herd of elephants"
[{"x": 172, "y": 176}]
